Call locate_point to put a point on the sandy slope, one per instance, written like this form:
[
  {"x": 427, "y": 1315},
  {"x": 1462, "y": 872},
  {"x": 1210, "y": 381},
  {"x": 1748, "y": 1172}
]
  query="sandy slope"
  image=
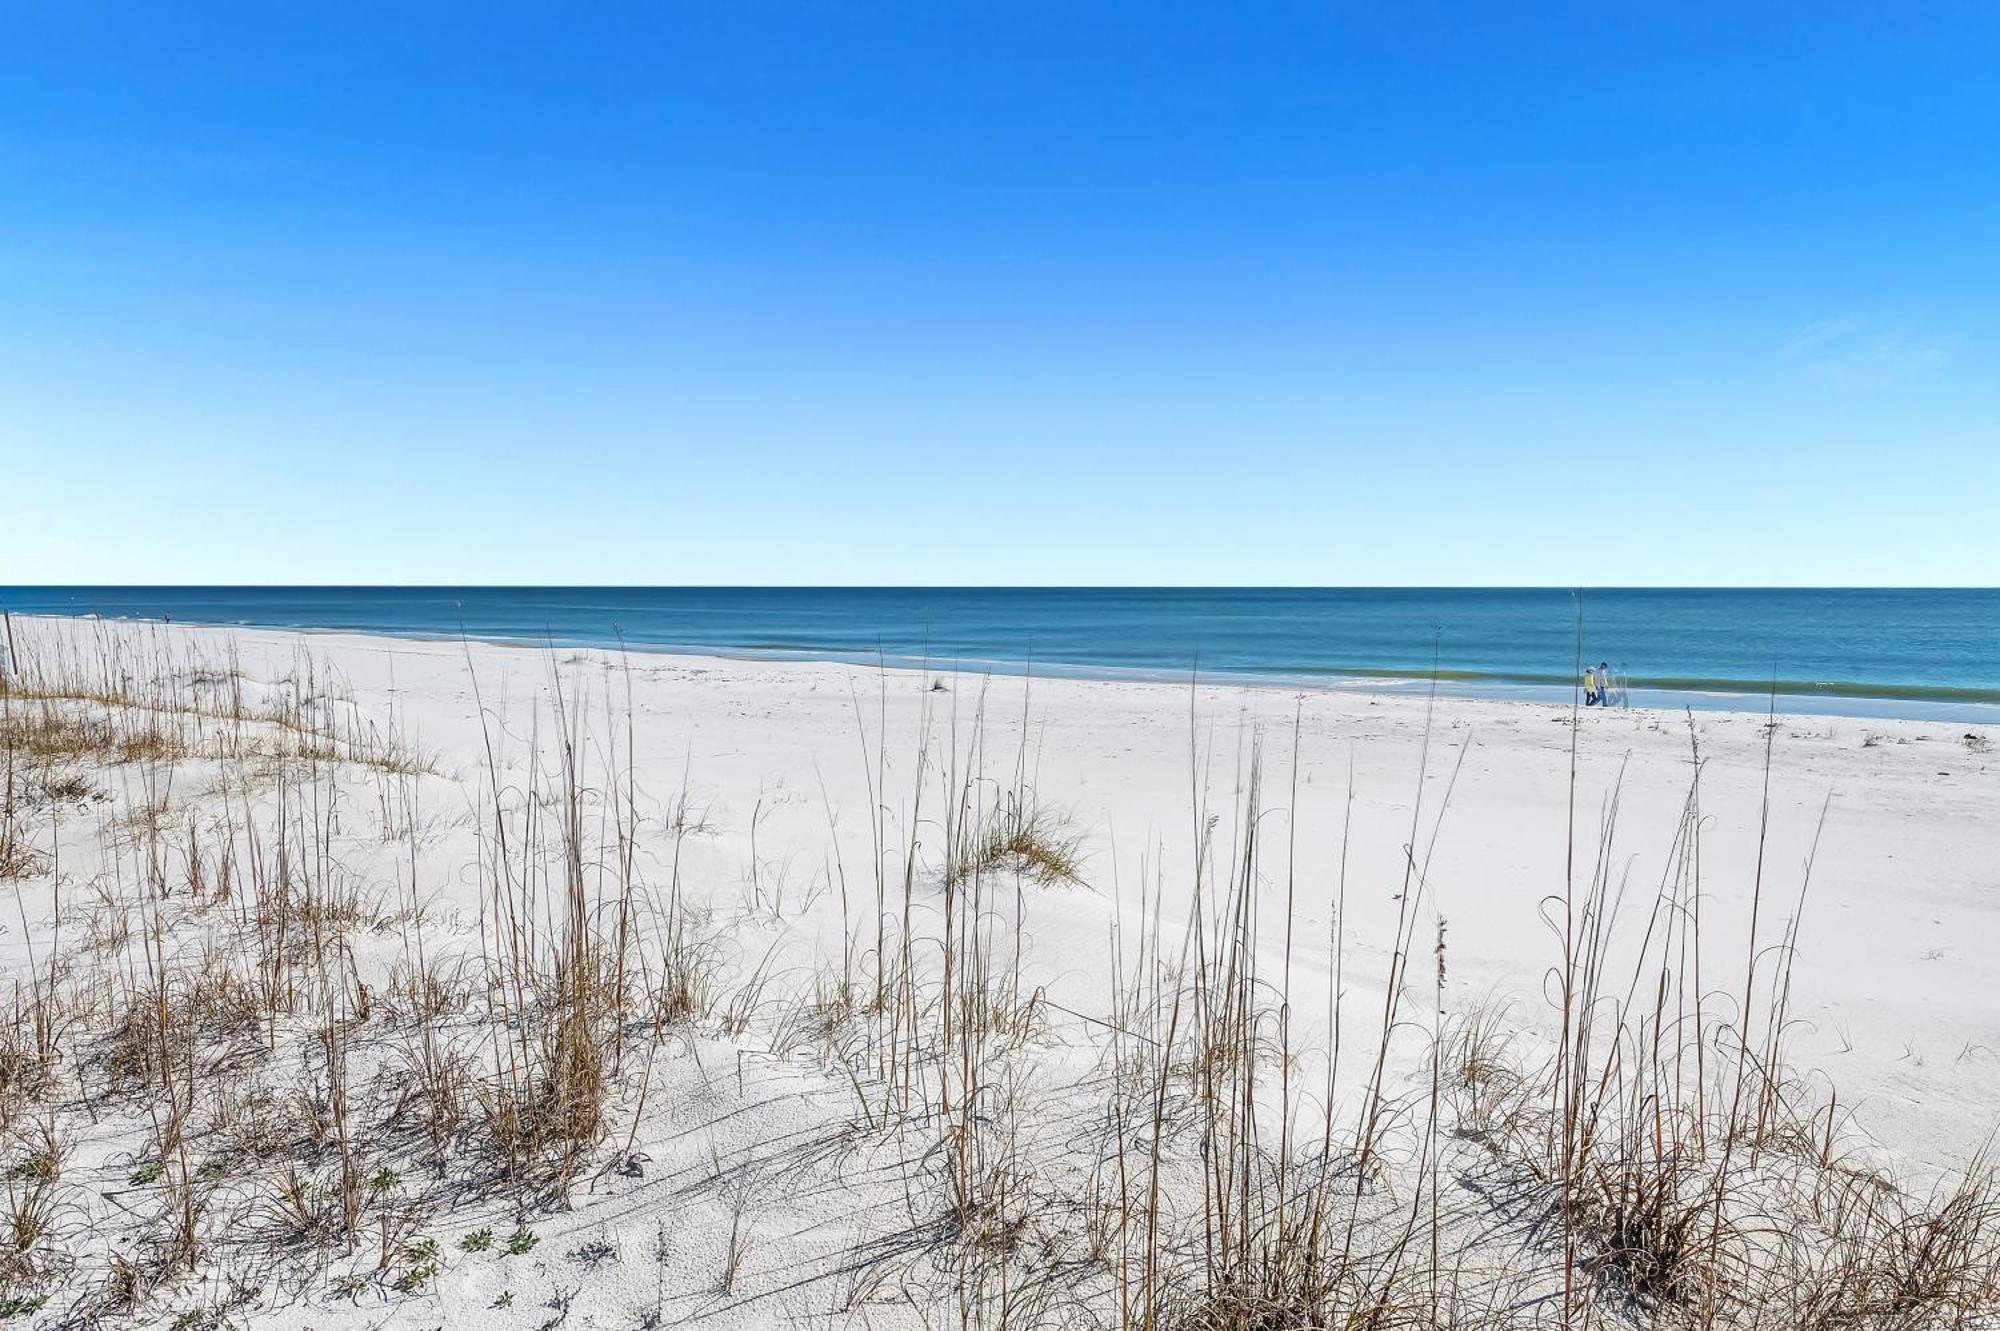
[
  {"x": 1897, "y": 962},
  {"x": 1897, "y": 985}
]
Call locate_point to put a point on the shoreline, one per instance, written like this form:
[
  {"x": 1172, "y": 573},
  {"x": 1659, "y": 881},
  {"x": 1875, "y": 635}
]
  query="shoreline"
[{"x": 1784, "y": 698}]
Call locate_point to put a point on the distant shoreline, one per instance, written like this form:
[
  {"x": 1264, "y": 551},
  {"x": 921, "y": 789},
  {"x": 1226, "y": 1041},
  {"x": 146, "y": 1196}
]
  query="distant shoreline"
[{"x": 1859, "y": 700}]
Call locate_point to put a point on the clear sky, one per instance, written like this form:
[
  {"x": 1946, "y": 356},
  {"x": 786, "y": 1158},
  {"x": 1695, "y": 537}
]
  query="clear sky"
[{"x": 1018, "y": 292}]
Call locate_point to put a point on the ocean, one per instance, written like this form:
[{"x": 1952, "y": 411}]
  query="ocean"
[{"x": 1927, "y": 653}]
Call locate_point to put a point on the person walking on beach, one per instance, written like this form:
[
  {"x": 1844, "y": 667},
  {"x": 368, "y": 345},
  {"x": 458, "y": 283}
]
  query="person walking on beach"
[
  {"x": 1603, "y": 683},
  {"x": 1590, "y": 693}
]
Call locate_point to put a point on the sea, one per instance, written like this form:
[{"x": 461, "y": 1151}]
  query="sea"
[{"x": 1891, "y": 652}]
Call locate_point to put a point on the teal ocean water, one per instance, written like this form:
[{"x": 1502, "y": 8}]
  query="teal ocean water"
[{"x": 1907, "y": 652}]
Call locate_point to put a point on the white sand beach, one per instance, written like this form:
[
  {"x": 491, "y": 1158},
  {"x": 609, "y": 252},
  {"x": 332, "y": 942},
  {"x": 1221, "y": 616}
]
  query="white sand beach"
[{"x": 214, "y": 943}]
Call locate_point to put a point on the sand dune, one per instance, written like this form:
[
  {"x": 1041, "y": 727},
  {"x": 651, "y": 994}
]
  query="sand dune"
[{"x": 740, "y": 994}]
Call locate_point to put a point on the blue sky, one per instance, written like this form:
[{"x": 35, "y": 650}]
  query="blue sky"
[{"x": 1036, "y": 293}]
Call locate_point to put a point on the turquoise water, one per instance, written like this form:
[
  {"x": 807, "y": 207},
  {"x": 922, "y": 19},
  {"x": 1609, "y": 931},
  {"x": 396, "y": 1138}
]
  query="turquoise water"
[{"x": 1931, "y": 653}]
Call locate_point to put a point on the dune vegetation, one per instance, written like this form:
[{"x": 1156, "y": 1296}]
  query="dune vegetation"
[{"x": 312, "y": 1024}]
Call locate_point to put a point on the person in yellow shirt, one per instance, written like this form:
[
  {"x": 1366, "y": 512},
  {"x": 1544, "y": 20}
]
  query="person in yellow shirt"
[{"x": 1591, "y": 691}]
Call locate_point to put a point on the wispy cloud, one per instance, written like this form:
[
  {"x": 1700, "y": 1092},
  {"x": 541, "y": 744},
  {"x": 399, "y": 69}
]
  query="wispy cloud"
[{"x": 1857, "y": 354}]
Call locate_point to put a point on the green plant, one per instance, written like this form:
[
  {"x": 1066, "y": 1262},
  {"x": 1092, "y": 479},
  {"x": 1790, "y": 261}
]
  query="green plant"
[
  {"x": 521, "y": 1242},
  {"x": 479, "y": 1240},
  {"x": 426, "y": 1261}
]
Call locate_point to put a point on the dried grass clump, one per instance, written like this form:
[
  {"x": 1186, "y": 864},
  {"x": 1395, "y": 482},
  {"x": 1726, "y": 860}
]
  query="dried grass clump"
[
  {"x": 160, "y": 1031},
  {"x": 683, "y": 988},
  {"x": 18, "y": 857},
  {"x": 1022, "y": 836},
  {"x": 27, "y": 1232},
  {"x": 546, "y": 1104},
  {"x": 1482, "y": 1076},
  {"x": 1653, "y": 1228},
  {"x": 425, "y": 993},
  {"x": 304, "y": 1209},
  {"x": 26, "y": 1074},
  {"x": 108, "y": 697},
  {"x": 1288, "y": 1290},
  {"x": 547, "y": 1116},
  {"x": 1878, "y": 1257},
  {"x": 46, "y": 731}
]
